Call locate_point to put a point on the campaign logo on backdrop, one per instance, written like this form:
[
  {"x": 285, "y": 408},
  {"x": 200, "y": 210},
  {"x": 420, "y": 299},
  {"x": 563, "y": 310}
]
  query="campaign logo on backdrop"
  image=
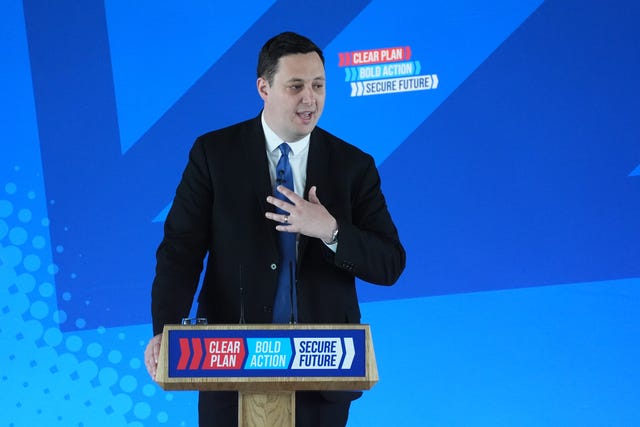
[{"x": 384, "y": 70}]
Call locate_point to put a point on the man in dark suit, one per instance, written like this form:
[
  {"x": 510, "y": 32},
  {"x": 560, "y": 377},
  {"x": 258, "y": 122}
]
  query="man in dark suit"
[{"x": 232, "y": 204}]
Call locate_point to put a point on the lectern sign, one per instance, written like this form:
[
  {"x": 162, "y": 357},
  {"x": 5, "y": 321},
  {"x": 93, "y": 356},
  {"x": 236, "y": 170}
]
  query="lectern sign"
[{"x": 267, "y": 353}]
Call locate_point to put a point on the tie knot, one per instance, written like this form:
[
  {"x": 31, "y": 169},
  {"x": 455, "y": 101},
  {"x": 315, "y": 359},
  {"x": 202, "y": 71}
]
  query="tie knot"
[{"x": 284, "y": 149}]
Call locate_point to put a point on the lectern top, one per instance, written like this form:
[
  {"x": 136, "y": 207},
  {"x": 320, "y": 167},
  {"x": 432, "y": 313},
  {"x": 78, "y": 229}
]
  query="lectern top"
[{"x": 260, "y": 357}]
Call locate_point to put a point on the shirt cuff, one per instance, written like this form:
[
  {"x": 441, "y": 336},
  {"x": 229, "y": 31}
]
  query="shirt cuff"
[{"x": 333, "y": 247}]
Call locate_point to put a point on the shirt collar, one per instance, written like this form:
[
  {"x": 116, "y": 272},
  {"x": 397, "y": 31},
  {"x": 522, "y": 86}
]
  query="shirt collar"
[{"x": 274, "y": 141}]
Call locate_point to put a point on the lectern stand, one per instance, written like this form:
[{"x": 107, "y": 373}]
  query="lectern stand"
[{"x": 267, "y": 364}]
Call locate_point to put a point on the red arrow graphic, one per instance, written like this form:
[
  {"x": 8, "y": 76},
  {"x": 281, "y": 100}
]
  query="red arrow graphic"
[
  {"x": 197, "y": 353},
  {"x": 185, "y": 352}
]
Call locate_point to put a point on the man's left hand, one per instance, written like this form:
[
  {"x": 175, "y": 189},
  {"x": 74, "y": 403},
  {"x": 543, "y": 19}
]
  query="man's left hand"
[{"x": 307, "y": 217}]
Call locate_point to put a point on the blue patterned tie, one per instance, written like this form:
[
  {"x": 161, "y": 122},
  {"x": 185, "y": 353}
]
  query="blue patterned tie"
[{"x": 285, "y": 309}]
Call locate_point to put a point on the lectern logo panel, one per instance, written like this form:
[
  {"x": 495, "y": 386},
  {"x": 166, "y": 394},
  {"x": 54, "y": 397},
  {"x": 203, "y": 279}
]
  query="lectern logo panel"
[{"x": 264, "y": 353}]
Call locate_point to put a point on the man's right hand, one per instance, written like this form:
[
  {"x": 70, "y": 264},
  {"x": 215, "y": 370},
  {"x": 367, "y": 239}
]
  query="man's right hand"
[{"x": 151, "y": 355}]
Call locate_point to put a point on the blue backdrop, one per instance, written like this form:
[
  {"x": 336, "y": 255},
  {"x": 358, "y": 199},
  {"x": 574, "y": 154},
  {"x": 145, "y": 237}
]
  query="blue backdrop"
[{"x": 508, "y": 141}]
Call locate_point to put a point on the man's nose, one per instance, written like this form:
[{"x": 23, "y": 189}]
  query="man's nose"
[{"x": 308, "y": 96}]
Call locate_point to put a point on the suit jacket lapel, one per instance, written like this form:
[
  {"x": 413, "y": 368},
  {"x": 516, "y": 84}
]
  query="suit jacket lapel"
[
  {"x": 258, "y": 170},
  {"x": 318, "y": 170}
]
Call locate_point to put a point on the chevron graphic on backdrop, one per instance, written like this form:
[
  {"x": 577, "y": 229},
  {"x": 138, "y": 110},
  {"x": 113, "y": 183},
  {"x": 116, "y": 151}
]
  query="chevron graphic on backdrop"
[
  {"x": 159, "y": 51},
  {"x": 524, "y": 174},
  {"x": 449, "y": 39},
  {"x": 103, "y": 202}
]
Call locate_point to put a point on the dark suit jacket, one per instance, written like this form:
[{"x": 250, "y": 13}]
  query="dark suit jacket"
[{"x": 219, "y": 209}]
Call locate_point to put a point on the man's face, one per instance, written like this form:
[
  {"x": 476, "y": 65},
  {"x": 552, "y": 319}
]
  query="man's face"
[{"x": 294, "y": 101}]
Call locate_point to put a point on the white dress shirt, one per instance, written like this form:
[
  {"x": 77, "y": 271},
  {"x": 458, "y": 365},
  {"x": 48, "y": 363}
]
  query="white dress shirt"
[{"x": 297, "y": 159}]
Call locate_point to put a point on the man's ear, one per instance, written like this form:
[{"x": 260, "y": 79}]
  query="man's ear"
[{"x": 263, "y": 88}]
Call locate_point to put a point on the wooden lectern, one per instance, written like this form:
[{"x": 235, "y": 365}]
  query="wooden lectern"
[{"x": 266, "y": 364}]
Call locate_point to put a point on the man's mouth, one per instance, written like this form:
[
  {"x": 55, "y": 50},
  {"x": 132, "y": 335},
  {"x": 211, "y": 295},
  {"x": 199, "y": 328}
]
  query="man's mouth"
[{"x": 305, "y": 115}]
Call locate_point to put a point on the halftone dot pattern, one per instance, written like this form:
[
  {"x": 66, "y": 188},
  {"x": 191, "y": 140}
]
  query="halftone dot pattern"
[
  {"x": 128, "y": 383},
  {"x": 94, "y": 350},
  {"x": 39, "y": 310},
  {"x": 135, "y": 363},
  {"x": 115, "y": 357},
  {"x": 59, "y": 316},
  {"x": 4, "y": 228},
  {"x": 24, "y": 215},
  {"x": 52, "y": 269},
  {"x": 11, "y": 189},
  {"x": 6, "y": 207},
  {"x": 32, "y": 263},
  {"x": 84, "y": 378},
  {"x": 38, "y": 242},
  {"x": 53, "y": 337},
  {"x": 74, "y": 343},
  {"x": 18, "y": 236},
  {"x": 25, "y": 282},
  {"x": 149, "y": 390},
  {"x": 46, "y": 289}
]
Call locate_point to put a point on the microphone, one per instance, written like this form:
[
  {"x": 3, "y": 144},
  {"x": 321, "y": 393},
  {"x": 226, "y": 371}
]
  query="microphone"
[
  {"x": 292, "y": 318},
  {"x": 242, "y": 322}
]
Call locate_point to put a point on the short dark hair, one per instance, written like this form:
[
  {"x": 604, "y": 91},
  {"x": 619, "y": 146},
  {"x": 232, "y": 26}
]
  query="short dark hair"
[{"x": 283, "y": 44}]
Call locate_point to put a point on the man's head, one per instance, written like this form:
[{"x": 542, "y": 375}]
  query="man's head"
[
  {"x": 283, "y": 44},
  {"x": 291, "y": 82}
]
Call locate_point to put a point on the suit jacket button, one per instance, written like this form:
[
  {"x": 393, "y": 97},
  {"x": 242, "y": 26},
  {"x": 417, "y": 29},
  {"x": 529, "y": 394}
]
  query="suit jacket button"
[
  {"x": 274, "y": 266},
  {"x": 267, "y": 309}
]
